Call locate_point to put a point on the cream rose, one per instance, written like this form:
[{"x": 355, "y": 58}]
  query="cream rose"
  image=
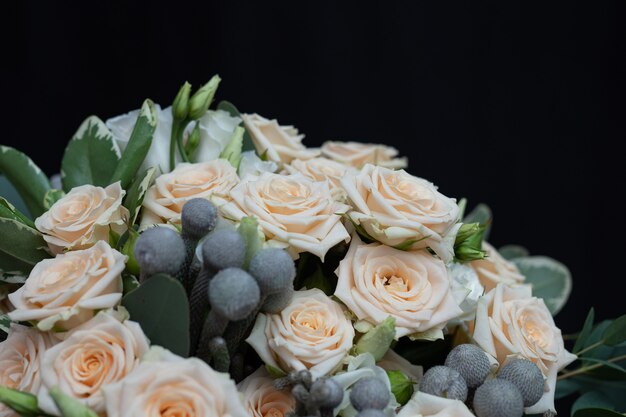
[
  {"x": 99, "y": 352},
  {"x": 278, "y": 143},
  {"x": 293, "y": 212},
  {"x": 261, "y": 399},
  {"x": 312, "y": 333},
  {"x": 494, "y": 269},
  {"x": 377, "y": 281},
  {"x": 358, "y": 154},
  {"x": 512, "y": 323},
  {"x": 401, "y": 210},
  {"x": 165, "y": 199},
  {"x": 83, "y": 217},
  {"x": 66, "y": 291},
  {"x": 167, "y": 385},
  {"x": 426, "y": 405},
  {"x": 322, "y": 169},
  {"x": 20, "y": 360}
]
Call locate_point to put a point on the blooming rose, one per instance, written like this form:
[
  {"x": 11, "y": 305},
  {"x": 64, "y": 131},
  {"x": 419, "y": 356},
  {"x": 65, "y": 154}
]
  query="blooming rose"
[
  {"x": 322, "y": 169},
  {"x": 167, "y": 385},
  {"x": 358, "y": 154},
  {"x": 99, "y": 352},
  {"x": 278, "y": 143},
  {"x": 20, "y": 364},
  {"x": 494, "y": 269},
  {"x": 216, "y": 128},
  {"x": 164, "y": 200},
  {"x": 426, "y": 405},
  {"x": 293, "y": 212},
  {"x": 312, "y": 333},
  {"x": 65, "y": 291},
  {"x": 398, "y": 209},
  {"x": 262, "y": 399},
  {"x": 377, "y": 281},
  {"x": 510, "y": 322},
  {"x": 83, "y": 217}
]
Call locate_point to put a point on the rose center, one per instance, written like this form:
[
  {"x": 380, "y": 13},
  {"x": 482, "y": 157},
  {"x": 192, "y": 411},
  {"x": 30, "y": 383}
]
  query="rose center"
[
  {"x": 395, "y": 283},
  {"x": 273, "y": 412},
  {"x": 178, "y": 409}
]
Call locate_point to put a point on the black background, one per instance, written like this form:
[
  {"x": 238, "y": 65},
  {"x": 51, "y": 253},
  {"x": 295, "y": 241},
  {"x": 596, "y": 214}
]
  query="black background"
[{"x": 516, "y": 105}]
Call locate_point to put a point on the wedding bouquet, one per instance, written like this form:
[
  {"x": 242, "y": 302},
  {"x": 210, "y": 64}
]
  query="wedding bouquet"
[{"x": 196, "y": 261}]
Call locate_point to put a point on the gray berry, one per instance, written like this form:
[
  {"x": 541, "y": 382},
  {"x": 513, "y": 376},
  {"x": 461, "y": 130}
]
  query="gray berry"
[
  {"x": 222, "y": 249},
  {"x": 370, "y": 393},
  {"x": 234, "y": 294},
  {"x": 445, "y": 382},
  {"x": 273, "y": 269},
  {"x": 526, "y": 376},
  {"x": 326, "y": 393},
  {"x": 275, "y": 303},
  {"x": 198, "y": 218},
  {"x": 159, "y": 249},
  {"x": 498, "y": 398},
  {"x": 370, "y": 412},
  {"x": 471, "y": 362}
]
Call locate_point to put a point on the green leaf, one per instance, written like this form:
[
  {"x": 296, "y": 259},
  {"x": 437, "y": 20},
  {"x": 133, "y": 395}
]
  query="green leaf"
[
  {"x": 318, "y": 280},
  {"x": 20, "y": 246},
  {"x": 581, "y": 341},
  {"x": 90, "y": 157},
  {"x": 69, "y": 406},
  {"x": 8, "y": 191},
  {"x": 138, "y": 145},
  {"x": 616, "y": 332},
  {"x": 550, "y": 279},
  {"x": 5, "y": 323},
  {"x": 481, "y": 214},
  {"x": 29, "y": 181},
  {"x": 232, "y": 151},
  {"x": 8, "y": 211},
  {"x": 619, "y": 374},
  {"x": 23, "y": 403},
  {"x": 513, "y": 251},
  {"x": 129, "y": 283},
  {"x": 592, "y": 399},
  {"x": 612, "y": 389},
  {"x": 565, "y": 387},
  {"x": 137, "y": 192},
  {"x": 596, "y": 412},
  {"x": 51, "y": 197},
  {"x": 229, "y": 107},
  {"x": 160, "y": 306},
  {"x": 401, "y": 386},
  {"x": 275, "y": 372}
]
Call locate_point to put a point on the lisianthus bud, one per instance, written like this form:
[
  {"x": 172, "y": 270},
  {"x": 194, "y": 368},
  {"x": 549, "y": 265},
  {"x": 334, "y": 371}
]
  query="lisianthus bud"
[
  {"x": 70, "y": 407},
  {"x": 129, "y": 250},
  {"x": 232, "y": 151},
  {"x": 378, "y": 339},
  {"x": 21, "y": 402},
  {"x": 193, "y": 141},
  {"x": 180, "y": 106},
  {"x": 468, "y": 243},
  {"x": 201, "y": 100}
]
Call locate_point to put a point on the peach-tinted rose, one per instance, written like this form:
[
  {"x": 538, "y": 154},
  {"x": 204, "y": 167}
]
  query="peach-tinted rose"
[
  {"x": 377, "y": 281},
  {"x": 165, "y": 199},
  {"x": 99, "y": 352},
  {"x": 68, "y": 290},
  {"x": 510, "y": 322},
  {"x": 262, "y": 399},
  {"x": 426, "y": 405},
  {"x": 322, "y": 169},
  {"x": 358, "y": 154},
  {"x": 20, "y": 361},
  {"x": 83, "y": 217},
  {"x": 312, "y": 333},
  {"x": 278, "y": 143},
  {"x": 401, "y": 210},
  {"x": 494, "y": 269},
  {"x": 293, "y": 212},
  {"x": 169, "y": 386}
]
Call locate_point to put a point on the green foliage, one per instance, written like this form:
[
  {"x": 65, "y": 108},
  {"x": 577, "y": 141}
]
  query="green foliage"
[
  {"x": 401, "y": 386},
  {"x": 550, "y": 279},
  {"x": 51, "y": 197},
  {"x": 377, "y": 340},
  {"x": 482, "y": 215},
  {"x": 21, "y": 247},
  {"x": 137, "y": 192},
  {"x": 8, "y": 211},
  {"x": 247, "y": 144},
  {"x": 160, "y": 306},
  {"x": 510, "y": 252}
]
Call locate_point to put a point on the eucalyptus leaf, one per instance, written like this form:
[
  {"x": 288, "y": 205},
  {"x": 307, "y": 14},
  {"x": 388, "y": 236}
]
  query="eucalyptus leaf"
[
  {"x": 138, "y": 145},
  {"x": 581, "y": 340},
  {"x": 227, "y": 106},
  {"x": 481, "y": 214},
  {"x": 591, "y": 399},
  {"x": 160, "y": 306},
  {"x": 27, "y": 178},
  {"x": 20, "y": 243},
  {"x": 51, "y": 197},
  {"x": 597, "y": 412},
  {"x": 620, "y": 373},
  {"x": 91, "y": 156},
  {"x": 137, "y": 192},
  {"x": 616, "y": 332},
  {"x": 550, "y": 279},
  {"x": 8, "y": 211},
  {"x": 513, "y": 251}
]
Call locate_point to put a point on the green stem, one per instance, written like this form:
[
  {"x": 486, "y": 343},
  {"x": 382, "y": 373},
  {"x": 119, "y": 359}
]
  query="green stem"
[
  {"x": 589, "y": 368},
  {"x": 176, "y": 140},
  {"x": 181, "y": 146},
  {"x": 173, "y": 136},
  {"x": 590, "y": 347}
]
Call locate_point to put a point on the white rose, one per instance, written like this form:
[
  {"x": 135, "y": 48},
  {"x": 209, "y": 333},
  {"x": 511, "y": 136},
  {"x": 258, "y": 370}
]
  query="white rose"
[
  {"x": 466, "y": 289},
  {"x": 262, "y": 399},
  {"x": 426, "y": 405},
  {"x": 165, "y": 199},
  {"x": 322, "y": 169},
  {"x": 358, "y": 154},
  {"x": 20, "y": 361},
  {"x": 167, "y": 385},
  {"x": 279, "y": 143},
  {"x": 83, "y": 217},
  {"x": 377, "y": 281},
  {"x": 494, "y": 269},
  {"x": 68, "y": 290},
  {"x": 251, "y": 166},
  {"x": 312, "y": 333},
  {"x": 401, "y": 210},
  {"x": 99, "y": 352},
  {"x": 510, "y": 322},
  {"x": 216, "y": 130},
  {"x": 293, "y": 212}
]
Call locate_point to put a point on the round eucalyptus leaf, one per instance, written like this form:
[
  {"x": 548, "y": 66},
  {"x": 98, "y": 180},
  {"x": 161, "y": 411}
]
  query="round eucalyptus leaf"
[
  {"x": 550, "y": 279},
  {"x": 513, "y": 251}
]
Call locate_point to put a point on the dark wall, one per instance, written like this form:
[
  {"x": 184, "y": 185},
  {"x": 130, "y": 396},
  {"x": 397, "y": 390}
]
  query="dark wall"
[{"x": 514, "y": 105}]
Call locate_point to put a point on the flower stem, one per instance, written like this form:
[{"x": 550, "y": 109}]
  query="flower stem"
[
  {"x": 590, "y": 347},
  {"x": 589, "y": 368}
]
